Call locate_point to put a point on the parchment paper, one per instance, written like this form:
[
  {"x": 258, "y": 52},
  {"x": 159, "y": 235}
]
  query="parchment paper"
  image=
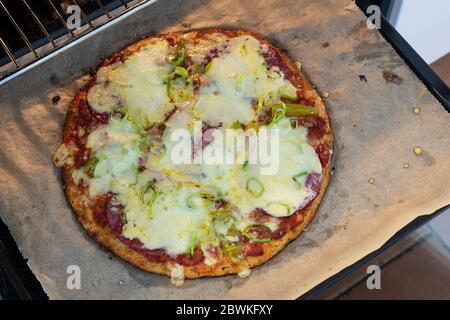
[{"x": 375, "y": 131}]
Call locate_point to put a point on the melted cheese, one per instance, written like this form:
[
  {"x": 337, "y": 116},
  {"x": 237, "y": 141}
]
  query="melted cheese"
[
  {"x": 172, "y": 225},
  {"x": 239, "y": 76},
  {"x": 280, "y": 190},
  {"x": 117, "y": 148},
  {"x": 177, "y": 275},
  {"x": 138, "y": 83},
  {"x": 199, "y": 51},
  {"x": 176, "y": 219}
]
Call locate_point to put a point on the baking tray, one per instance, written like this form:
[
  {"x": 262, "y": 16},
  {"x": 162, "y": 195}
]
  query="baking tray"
[
  {"x": 19, "y": 281},
  {"x": 431, "y": 80}
]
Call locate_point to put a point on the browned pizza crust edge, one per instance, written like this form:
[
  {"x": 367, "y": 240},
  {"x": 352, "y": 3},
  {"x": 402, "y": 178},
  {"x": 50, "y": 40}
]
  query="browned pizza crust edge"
[{"x": 109, "y": 240}]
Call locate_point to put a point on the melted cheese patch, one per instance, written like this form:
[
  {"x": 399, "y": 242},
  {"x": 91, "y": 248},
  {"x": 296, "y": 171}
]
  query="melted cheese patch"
[
  {"x": 164, "y": 205},
  {"x": 171, "y": 225},
  {"x": 239, "y": 75},
  {"x": 116, "y": 147},
  {"x": 138, "y": 83},
  {"x": 281, "y": 195}
]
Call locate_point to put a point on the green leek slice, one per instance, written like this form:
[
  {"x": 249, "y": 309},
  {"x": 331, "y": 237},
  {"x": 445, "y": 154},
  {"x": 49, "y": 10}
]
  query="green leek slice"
[
  {"x": 300, "y": 110},
  {"x": 297, "y": 179},
  {"x": 277, "y": 206},
  {"x": 90, "y": 165},
  {"x": 177, "y": 58},
  {"x": 247, "y": 233},
  {"x": 193, "y": 243}
]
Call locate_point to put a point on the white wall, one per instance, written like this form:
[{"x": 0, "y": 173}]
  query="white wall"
[{"x": 425, "y": 24}]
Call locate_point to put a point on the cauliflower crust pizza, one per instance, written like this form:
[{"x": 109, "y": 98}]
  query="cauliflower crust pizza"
[{"x": 199, "y": 218}]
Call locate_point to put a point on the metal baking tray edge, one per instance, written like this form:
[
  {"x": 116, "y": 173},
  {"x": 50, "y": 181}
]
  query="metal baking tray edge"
[{"x": 429, "y": 78}]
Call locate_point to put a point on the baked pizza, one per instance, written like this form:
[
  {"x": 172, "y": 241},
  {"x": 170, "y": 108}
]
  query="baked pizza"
[{"x": 196, "y": 154}]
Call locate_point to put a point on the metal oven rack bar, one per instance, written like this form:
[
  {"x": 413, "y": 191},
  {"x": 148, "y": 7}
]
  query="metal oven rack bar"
[
  {"x": 16, "y": 279},
  {"x": 33, "y": 52}
]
